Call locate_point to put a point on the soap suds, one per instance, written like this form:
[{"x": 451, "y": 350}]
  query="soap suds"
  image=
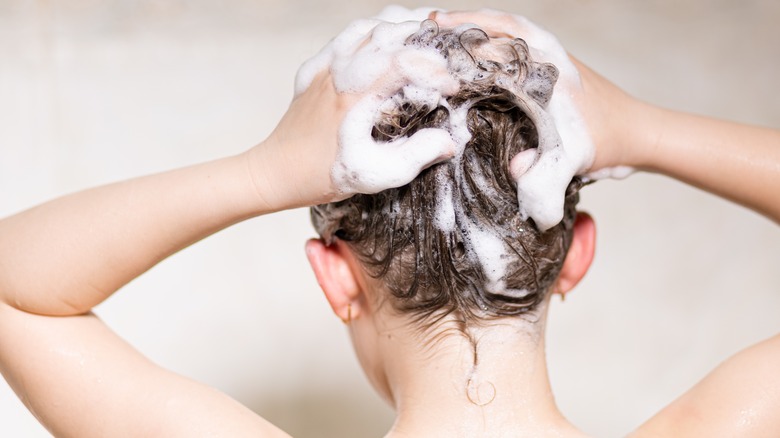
[
  {"x": 445, "y": 208},
  {"x": 400, "y": 58},
  {"x": 617, "y": 172},
  {"x": 371, "y": 57},
  {"x": 384, "y": 55},
  {"x": 491, "y": 254}
]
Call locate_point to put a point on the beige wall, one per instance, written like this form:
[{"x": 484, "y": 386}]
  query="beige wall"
[{"x": 92, "y": 91}]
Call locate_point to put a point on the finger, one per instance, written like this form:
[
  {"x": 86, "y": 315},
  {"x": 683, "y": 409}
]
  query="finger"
[
  {"x": 427, "y": 147},
  {"x": 521, "y": 163},
  {"x": 494, "y": 23},
  {"x": 370, "y": 167},
  {"x": 344, "y": 46}
]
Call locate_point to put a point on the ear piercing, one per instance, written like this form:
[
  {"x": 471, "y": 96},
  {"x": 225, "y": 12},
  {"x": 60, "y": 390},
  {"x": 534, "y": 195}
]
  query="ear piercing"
[{"x": 348, "y": 319}]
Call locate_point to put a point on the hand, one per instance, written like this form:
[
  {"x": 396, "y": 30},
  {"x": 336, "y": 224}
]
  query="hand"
[
  {"x": 609, "y": 113},
  {"x": 323, "y": 150},
  {"x": 291, "y": 168}
]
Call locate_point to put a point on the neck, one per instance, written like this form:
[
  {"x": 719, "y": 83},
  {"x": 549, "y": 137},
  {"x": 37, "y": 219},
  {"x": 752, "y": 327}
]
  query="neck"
[{"x": 491, "y": 382}]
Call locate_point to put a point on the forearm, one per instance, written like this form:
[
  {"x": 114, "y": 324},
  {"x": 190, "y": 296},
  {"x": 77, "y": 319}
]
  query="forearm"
[
  {"x": 65, "y": 256},
  {"x": 738, "y": 162}
]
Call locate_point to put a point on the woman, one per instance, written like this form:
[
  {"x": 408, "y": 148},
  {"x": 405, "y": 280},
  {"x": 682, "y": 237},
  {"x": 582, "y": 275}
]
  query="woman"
[{"x": 112, "y": 234}]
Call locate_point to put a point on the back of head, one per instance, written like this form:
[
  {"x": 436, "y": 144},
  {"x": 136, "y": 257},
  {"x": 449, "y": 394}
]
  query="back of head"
[{"x": 452, "y": 241}]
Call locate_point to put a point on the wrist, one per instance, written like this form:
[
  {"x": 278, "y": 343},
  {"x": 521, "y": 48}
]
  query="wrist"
[
  {"x": 261, "y": 178},
  {"x": 647, "y": 130},
  {"x": 616, "y": 122},
  {"x": 280, "y": 181}
]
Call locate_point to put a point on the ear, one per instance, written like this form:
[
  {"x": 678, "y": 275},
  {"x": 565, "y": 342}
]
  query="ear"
[
  {"x": 335, "y": 276},
  {"x": 580, "y": 254}
]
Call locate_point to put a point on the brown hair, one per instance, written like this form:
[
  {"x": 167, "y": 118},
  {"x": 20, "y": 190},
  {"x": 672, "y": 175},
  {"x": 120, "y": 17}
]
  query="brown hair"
[{"x": 423, "y": 240}]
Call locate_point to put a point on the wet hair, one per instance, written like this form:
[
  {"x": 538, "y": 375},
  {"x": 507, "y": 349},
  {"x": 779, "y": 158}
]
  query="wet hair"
[{"x": 426, "y": 241}]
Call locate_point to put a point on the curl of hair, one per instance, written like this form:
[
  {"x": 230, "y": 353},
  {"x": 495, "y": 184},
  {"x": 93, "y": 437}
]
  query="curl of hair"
[{"x": 432, "y": 271}]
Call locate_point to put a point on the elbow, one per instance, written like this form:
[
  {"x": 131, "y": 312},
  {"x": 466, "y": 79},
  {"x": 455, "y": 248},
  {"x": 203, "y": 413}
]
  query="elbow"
[{"x": 45, "y": 303}]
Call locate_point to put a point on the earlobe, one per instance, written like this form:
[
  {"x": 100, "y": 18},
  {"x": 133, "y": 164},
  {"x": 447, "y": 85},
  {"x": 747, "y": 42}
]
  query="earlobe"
[
  {"x": 335, "y": 276},
  {"x": 580, "y": 255}
]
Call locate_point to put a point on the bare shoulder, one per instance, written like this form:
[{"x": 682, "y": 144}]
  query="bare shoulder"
[{"x": 741, "y": 397}]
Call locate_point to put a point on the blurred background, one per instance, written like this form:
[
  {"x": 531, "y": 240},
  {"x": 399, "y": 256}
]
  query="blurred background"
[{"x": 92, "y": 91}]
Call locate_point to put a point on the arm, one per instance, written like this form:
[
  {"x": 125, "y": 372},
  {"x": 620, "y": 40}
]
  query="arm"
[
  {"x": 741, "y": 397},
  {"x": 735, "y": 161},
  {"x": 60, "y": 259},
  {"x": 80, "y": 379},
  {"x": 68, "y": 255},
  {"x": 738, "y": 162}
]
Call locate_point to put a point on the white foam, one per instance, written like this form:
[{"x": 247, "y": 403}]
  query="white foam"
[
  {"x": 364, "y": 165},
  {"x": 398, "y": 14},
  {"x": 490, "y": 252},
  {"x": 458, "y": 126},
  {"x": 444, "y": 218},
  {"x": 617, "y": 172},
  {"x": 371, "y": 58},
  {"x": 542, "y": 187},
  {"x": 342, "y": 45}
]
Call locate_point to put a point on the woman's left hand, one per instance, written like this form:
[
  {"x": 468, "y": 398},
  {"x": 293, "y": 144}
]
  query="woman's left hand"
[
  {"x": 291, "y": 168},
  {"x": 613, "y": 117},
  {"x": 323, "y": 150}
]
